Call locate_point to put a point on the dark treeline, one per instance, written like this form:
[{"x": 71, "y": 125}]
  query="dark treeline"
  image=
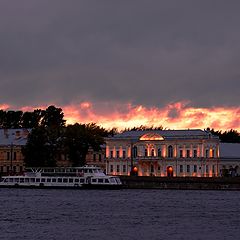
[
  {"x": 50, "y": 138},
  {"x": 230, "y": 136}
]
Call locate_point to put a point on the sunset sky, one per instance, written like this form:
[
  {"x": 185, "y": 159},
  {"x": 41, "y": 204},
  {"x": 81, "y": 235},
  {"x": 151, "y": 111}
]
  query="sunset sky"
[{"x": 124, "y": 63}]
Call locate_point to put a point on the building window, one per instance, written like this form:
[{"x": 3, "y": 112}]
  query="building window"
[
  {"x": 213, "y": 153},
  {"x": 195, "y": 168},
  {"x": 152, "y": 153},
  {"x": 8, "y": 155},
  {"x": 188, "y": 153},
  {"x": 135, "y": 151},
  {"x": 159, "y": 152},
  {"x": 181, "y": 153},
  {"x": 195, "y": 153},
  {"x": 181, "y": 168},
  {"x": 188, "y": 168},
  {"x": 111, "y": 168},
  {"x": 207, "y": 169},
  {"x": 15, "y": 156},
  {"x": 170, "y": 151},
  {"x": 206, "y": 153},
  {"x": 159, "y": 169},
  {"x": 117, "y": 154},
  {"x": 111, "y": 154},
  {"x": 94, "y": 157},
  {"x": 213, "y": 169},
  {"x": 100, "y": 157},
  {"x": 118, "y": 169},
  {"x": 152, "y": 168},
  {"x": 146, "y": 153},
  {"x": 124, "y": 168},
  {"x": 124, "y": 154}
]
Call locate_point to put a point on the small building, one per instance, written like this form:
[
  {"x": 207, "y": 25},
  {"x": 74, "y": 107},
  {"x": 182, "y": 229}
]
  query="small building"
[
  {"x": 11, "y": 142},
  {"x": 163, "y": 153},
  {"x": 229, "y": 159}
]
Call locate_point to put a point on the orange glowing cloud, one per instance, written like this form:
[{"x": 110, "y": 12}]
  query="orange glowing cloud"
[
  {"x": 173, "y": 116},
  {"x": 177, "y": 115}
]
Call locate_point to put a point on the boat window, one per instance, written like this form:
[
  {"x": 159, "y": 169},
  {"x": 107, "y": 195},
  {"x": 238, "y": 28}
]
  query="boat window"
[
  {"x": 32, "y": 179},
  {"x": 27, "y": 180},
  {"x": 100, "y": 180},
  {"x": 6, "y": 180},
  {"x": 65, "y": 180},
  {"x": 90, "y": 170},
  {"x": 21, "y": 180},
  {"x": 48, "y": 179},
  {"x": 76, "y": 180},
  {"x": 16, "y": 180},
  {"x": 106, "y": 180},
  {"x": 10, "y": 179},
  {"x": 86, "y": 170},
  {"x": 59, "y": 180},
  {"x": 43, "y": 180},
  {"x": 118, "y": 180},
  {"x": 54, "y": 179},
  {"x": 37, "y": 179},
  {"x": 82, "y": 180},
  {"x": 112, "y": 180},
  {"x": 70, "y": 180},
  {"x": 94, "y": 180}
]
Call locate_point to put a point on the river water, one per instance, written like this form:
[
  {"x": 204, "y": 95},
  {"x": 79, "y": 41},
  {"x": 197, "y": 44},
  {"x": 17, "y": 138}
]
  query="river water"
[{"x": 118, "y": 214}]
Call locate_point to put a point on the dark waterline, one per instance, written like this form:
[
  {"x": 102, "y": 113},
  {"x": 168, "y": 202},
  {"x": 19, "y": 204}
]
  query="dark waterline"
[{"x": 121, "y": 214}]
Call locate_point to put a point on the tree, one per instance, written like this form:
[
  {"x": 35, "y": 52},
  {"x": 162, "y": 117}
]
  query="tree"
[
  {"x": 32, "y": 119},
  {"x": 37, "y": 150},
  {"x": 45, "y": 141},
  {"x": 231, "y": 136},
  {"x": 78, "y": 138}
]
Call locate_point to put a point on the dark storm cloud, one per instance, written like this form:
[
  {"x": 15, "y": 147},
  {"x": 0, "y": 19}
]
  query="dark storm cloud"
[{"x": 146, "y": 52}]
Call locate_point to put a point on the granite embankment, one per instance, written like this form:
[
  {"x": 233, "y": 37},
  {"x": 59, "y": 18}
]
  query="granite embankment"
[{"x": 191, "y": 183}]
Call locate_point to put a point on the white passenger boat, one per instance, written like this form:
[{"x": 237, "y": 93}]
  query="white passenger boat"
[{"x": 85, "y": 177}]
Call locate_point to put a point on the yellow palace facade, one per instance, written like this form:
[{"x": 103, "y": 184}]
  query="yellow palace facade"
[{"x": 163, "y": 153}]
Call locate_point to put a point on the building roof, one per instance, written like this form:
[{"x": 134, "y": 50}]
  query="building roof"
[
  {"x": 229, "y": 150},
  {"x": 167, "y": 134},
  {"x": 13, "y": 136}
]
